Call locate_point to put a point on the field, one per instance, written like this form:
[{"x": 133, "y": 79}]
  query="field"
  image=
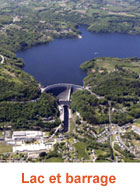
[
  {"x": 54, "y": 159},
  {"x": 4, "y": 148},
  {"x": 109, "y": 64},
  {"x": 81, "y": 149},
  {"x": 137, "y": 122},
  {"x": 0, "y": 133},
  {"x": 71, "y": 125}
]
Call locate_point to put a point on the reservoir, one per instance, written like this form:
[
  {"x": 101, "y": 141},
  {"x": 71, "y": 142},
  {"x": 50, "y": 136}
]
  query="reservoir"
[{"x": 59, "y": 61}]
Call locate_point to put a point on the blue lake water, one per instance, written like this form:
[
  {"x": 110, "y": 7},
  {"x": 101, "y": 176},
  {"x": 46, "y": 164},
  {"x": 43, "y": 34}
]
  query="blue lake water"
[{"x": 59, "y": 61}]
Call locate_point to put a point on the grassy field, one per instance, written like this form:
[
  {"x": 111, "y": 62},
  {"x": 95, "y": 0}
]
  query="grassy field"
[
  {"x": 71, "y": 140},
  {"x": 4, "y": 148},
  {"x": 137, "y": 122},
  {"x": 81, "y": 149},
  {"x": 55, "y": 159},
  {"x": 0, "y": 133},
  {"x": 136, "y": 143},
  {"x": 100, "y": 152},
  {"x": 109, "y": 64},
  {"x": 71, "y": 125}
]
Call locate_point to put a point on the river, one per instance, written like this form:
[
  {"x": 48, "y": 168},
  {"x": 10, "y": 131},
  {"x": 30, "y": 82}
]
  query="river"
[{"x": 59, "y": 61}]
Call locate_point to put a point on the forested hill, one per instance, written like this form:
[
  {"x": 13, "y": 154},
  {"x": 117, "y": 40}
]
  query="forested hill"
[
  {"x": 29, "y": 22},
  {"x": 114, "y": 83}
]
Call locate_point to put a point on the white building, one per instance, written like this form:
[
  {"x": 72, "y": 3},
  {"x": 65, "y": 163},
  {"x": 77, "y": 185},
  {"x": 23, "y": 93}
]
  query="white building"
[
  {"x": 33, "y": 147},
  {"x": 23, "y": 135}
]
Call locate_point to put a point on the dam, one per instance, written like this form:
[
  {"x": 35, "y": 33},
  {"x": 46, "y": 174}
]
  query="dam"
[{"x": 63, "y": 92}]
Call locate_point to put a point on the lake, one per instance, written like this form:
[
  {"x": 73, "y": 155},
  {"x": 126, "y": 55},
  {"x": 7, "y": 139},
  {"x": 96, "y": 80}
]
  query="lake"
[{"x": 59, "y": 61}]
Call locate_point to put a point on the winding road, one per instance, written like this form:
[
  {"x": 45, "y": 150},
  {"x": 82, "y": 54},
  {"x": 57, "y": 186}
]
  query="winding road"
[{"x": 2, "y": 59}]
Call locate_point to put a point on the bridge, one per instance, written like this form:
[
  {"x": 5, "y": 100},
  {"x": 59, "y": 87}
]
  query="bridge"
[{"x": 62, "y": 91}]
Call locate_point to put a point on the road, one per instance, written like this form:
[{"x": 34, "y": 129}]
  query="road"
[
  {"x": 109, "y": 116},
  {"x": 92, "y": 93},
  {"x": 52, "y": 136},
  {"x": 2, "y": 59},
  {"x": 110, "y": 132}
]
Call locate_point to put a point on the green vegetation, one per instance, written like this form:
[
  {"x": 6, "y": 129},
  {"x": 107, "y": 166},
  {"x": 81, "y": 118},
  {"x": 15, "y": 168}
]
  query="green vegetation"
[
  {"x": 131, "y": 135},
  {"x": 5, "y": 19},
  {"x": 108, "y": 26},
  {"x": 11, "y": 58},
  {"x": 4, "y": 148},
  {"x": 17, "y": 85},
  {"x": 117, "y": 85},
  {"x": 127, "y": 156},
  {"x": 52, "y": 156},
  {"x": 0, "y": 133},
  {"x": 54, "y": 160},
  {"x": 30, "y": 114},
  {"x": 110, "y": 79},
  {"x": 25, "y": 25},
  {"x": 81, "y": 150},
  {"x": 137, "y": 122},
  {"x": 72, "y": 125},
  {"x": 89, "y": 107},
  {"x": 110, "y": 64},
  {"x": 102, "y": 150}
]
